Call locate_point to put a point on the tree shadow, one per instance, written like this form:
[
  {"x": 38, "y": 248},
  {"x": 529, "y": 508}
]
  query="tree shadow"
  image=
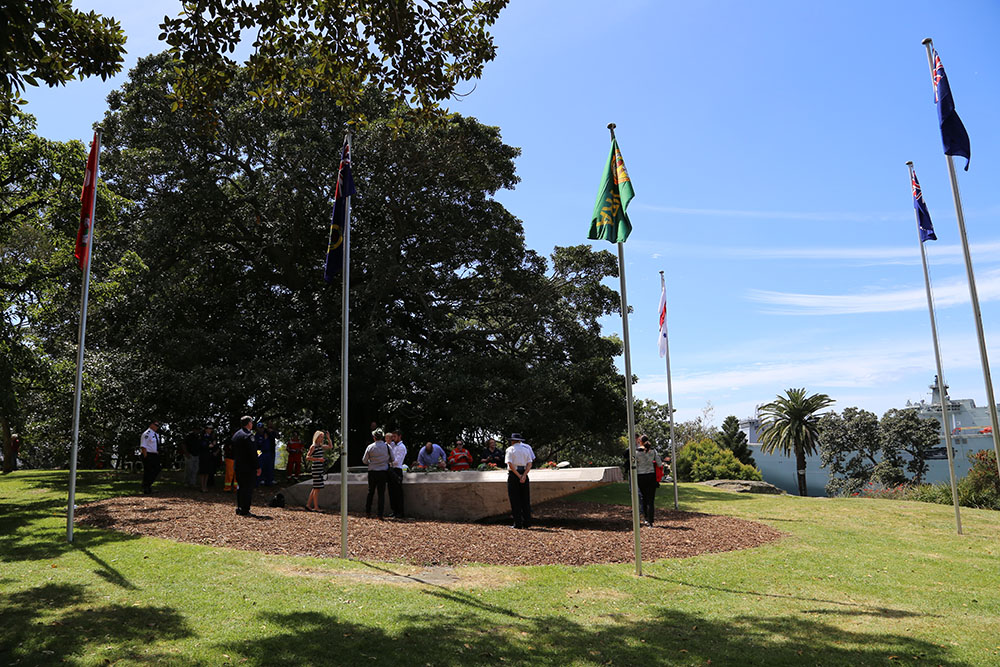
[
  {"x": 479, "y": 632},
  {"x": 57, "y": 622},
  {"x": 846, "y": 608},
  {"x": 27, "y": 532}
]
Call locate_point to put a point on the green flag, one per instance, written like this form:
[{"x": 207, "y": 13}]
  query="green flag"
[{"x": 609, "y": 221}]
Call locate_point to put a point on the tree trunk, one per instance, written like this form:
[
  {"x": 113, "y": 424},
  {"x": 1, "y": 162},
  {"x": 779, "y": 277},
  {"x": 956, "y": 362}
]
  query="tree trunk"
[
  {"x": 8, "y": 445},
  {"x": 800, "y": 470}
]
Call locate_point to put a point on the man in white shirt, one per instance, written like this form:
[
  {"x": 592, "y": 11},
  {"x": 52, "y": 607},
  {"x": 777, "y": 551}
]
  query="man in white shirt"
[
  {"x": 518, "y": 458},
  {"x": 396, "y": 473},
  {"x": 149, "y": 443}
]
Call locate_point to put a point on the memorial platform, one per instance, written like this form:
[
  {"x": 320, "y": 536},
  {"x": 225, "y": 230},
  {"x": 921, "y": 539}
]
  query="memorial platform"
[{"x": 469, "y": 495}]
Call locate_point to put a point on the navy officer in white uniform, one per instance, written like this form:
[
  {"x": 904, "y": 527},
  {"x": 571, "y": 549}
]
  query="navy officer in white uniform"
[{"x": 518, "y": 458}]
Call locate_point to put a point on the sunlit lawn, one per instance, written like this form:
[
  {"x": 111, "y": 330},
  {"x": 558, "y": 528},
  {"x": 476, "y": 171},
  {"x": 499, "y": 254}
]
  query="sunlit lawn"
[{"x": 855, "y": 582}]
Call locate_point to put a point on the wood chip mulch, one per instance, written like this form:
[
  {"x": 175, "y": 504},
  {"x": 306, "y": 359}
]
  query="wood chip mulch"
[{"x": 567, "y": 533}]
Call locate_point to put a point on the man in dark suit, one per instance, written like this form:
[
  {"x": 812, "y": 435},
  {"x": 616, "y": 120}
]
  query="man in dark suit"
[{"x": 245, "y": 455}]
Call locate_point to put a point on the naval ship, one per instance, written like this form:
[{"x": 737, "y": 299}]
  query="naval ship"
[{"x": 969, "y": 424}]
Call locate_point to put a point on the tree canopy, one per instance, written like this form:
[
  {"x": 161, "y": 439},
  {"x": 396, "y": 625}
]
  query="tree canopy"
[
  {"x": 49, "y": 41},
  {"x": 415, "y": 51},
  {"x": 861, "y": 449},
  {"x": 208, "y": 300}
]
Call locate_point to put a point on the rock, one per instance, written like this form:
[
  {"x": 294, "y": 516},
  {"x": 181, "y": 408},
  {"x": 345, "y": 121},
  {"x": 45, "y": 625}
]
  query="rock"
[{"x": 743, "y": 486}]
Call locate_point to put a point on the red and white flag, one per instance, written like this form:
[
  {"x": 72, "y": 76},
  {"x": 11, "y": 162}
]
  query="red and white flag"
[
  {"x": 85, "y": 234},
  {"x": 663, "y": 317}
]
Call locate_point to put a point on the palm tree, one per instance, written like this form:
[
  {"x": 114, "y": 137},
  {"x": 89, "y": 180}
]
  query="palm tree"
[{"x": 791, "y": 427}]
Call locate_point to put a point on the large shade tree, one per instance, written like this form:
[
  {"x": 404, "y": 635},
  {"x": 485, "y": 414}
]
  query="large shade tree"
[
  {"x": 791, "y": 427},
  {"x": 211, "y": 299}
]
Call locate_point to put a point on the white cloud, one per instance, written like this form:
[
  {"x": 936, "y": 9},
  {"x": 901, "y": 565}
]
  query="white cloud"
[{"x": 950, "y": 292}]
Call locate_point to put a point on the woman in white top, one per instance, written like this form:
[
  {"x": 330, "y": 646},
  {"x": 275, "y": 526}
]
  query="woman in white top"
[{"x": 646, "y": 460}]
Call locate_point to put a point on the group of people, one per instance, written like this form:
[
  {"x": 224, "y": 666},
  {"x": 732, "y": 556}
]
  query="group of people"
[{"x": 249, "y": 461}]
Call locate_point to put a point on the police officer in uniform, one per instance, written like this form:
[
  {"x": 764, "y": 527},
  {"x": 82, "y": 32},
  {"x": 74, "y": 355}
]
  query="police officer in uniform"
[
  {"x": 245, "y": 455},
  {"x": 518, "y": 458}
]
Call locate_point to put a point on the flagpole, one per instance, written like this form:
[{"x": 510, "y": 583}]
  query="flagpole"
[
  {"x": 344, "y": 368},
  {"x": 670, "y": 400},
  {"x": 631, "y": 407},
  {"x": 973, "y": 294},
  {"x": 942, "y": 386},
  {"x": 81, "y": 338}
]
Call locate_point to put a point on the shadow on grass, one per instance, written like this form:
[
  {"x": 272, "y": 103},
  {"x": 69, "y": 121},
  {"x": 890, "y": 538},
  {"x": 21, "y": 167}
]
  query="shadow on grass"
[
  {"x": 56, "y": 622},
  {"x": 845, "y": 608},
  {"x": 487, "y": 633},
  {"x": 28, "y": 531}
]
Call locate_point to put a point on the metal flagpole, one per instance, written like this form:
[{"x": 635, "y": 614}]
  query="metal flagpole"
[
  {"x": 973, "y": 294},
  {"x": 631, "y": 406},
  {"x": 670, "y": 401},
  {"x": 631, "y": 414},
  {"x": 942, "y": 387},
  {"x": 344, "y": 369},
  {"x": 78, "y": 389}
]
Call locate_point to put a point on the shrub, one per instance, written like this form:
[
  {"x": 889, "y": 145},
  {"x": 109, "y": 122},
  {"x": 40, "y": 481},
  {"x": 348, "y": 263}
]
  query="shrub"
[{"x": 704, "y": 460}]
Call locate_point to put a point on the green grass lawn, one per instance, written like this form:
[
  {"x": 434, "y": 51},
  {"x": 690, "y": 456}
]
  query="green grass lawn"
[{"x": 855, "y": 582}]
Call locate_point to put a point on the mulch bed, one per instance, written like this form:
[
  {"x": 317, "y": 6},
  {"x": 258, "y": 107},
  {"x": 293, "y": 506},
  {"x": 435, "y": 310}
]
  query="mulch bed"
[{"x": 567, "y": 533}]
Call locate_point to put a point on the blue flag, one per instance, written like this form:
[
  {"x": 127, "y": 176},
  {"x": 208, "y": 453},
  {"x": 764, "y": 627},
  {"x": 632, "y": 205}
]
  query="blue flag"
[
  {"x": 924, "y": 225},
  {"x": 953, "y": 134},
  {"x": 339, "y": 221}
]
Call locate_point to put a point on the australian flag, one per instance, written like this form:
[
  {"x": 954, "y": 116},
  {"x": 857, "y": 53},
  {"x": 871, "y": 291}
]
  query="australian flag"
[
  {"x": 340, "y": 221},
  {"x": 923, "y": 217},
  {"x": 953, "y": 134}
]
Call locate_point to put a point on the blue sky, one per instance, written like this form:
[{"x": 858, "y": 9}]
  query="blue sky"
[{"x": 767, "y": 144}]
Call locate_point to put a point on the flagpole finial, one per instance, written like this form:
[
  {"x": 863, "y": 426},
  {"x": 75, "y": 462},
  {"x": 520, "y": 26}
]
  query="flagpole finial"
[
  {"x": 926, "y": 41},
  {"x": 612, "y": 126},
  {"x": 661, "y": 273},
  {"x": 909, "y": 163}
]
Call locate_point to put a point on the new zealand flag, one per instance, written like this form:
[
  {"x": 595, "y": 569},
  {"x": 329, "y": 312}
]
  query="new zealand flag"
[
  {"x": 923, "y": 217},
  {"x": 340, "y": 220},
  {"x": 953, "y": 134}
]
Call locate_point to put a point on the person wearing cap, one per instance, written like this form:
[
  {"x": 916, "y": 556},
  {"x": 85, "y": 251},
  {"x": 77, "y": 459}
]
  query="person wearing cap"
[
  {"x": 431, "y": 454},
  {"x": 518, "y": 458},
  {"x": 150, "y": 446},
  {"x": 377, "y": 457}
]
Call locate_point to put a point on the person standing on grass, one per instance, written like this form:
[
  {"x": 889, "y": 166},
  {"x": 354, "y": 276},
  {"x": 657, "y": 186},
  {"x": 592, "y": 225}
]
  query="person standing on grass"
[
  {"x": 646, "y": 460},
  {"x": 245, "y": 454},
  {"x": 518, "y": 458},
  {"x": 150, "y": 446},
  {"x": 395, "y": 479},
  {"x": 377, "y": 457},
  {"x": 317, "y": 464}
]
